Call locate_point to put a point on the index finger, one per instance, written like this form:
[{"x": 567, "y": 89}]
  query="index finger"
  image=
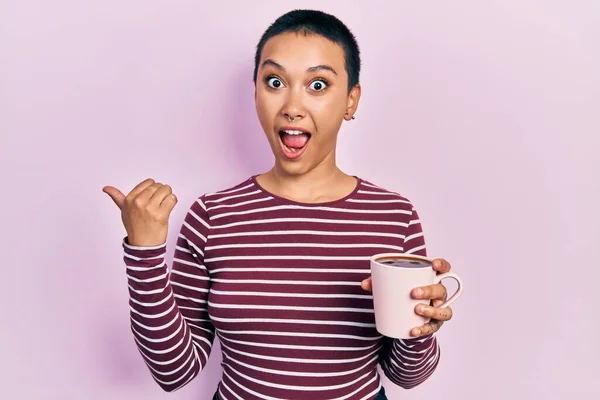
[
  {"x": 441, "y": 265},
  {"x": 140, "y": 187}
]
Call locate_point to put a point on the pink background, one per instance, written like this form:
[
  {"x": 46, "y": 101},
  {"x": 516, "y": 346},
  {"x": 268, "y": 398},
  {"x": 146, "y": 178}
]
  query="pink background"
[{"x": 485, "y": 113}]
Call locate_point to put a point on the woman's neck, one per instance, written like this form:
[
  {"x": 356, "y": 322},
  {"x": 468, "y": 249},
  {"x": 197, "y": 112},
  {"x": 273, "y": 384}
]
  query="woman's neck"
[{"x": 322, "y": 184}]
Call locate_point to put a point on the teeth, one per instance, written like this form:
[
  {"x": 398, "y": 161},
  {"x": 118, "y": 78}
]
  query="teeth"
[{"x": 293, "y": 132}]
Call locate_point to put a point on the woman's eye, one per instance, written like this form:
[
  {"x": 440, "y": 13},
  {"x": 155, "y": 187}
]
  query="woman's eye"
[
  {"x": 274, "y": 83},
  {"x": 318, "y": 85}
]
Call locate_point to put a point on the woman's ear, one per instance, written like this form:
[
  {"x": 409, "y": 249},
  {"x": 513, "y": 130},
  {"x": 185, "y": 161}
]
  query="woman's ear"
[{"x": 352, "y": 104}]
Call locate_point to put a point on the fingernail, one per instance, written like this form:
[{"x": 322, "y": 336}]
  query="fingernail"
[
  {"x": 417, "y": 332},
  {"x": 419, "y": 292},
  {"x": 437, "y": 263},
  {"x": 422, "y": 309}
]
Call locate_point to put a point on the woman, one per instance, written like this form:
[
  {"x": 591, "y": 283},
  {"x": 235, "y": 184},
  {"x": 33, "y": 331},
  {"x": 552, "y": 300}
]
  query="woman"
[{"x": 277, "y": 266}]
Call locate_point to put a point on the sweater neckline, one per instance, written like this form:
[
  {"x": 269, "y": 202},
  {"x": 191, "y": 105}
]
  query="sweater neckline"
[{"x": 285, "y": 200}]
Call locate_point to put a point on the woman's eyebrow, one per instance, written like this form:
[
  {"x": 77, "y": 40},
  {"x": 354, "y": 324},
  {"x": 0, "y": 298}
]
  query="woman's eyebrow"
[
  {"x": 272, "y": 63},
  {"x": 321, "y": 67}
]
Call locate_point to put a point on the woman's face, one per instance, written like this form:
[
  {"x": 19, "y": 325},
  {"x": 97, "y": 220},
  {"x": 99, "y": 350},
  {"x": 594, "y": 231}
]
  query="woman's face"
[{"x": 302, "y": 98}]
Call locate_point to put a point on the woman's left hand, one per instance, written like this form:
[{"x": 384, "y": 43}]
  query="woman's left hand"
[{"x": 436, "y": 294}]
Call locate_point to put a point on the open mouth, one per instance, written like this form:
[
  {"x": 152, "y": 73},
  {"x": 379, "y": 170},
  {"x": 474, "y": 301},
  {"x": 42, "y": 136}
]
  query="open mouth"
[{"x": 293, "y": 142}]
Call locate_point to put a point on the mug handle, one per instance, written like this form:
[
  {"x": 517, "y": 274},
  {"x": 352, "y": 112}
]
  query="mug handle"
[{"x": 440, "y": 277}]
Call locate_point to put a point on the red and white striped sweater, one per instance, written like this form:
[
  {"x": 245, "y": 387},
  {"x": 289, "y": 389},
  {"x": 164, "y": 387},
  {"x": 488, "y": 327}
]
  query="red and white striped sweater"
[{"x": 279, "y": 283}]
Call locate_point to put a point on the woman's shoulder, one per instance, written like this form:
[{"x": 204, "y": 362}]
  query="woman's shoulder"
[
  {"x": 237, "y": 194},
  {"x": 231, "y": 191},
  {"x": 370, "y": 189},
  {"x": 376, "y": 198}
]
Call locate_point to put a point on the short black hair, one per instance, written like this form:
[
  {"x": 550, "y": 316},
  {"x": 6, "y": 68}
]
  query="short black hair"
[{"x": 313, "y": 22}]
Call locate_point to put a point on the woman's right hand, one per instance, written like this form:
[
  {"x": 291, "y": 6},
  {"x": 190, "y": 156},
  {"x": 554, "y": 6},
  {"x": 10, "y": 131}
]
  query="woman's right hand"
[{"x": 145, "y": 211}]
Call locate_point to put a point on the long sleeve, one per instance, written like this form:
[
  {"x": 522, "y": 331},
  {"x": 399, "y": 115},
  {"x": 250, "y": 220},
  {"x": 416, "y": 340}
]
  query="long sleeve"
[
  {"x": 168, "y": 310},
  {"x": 409, "y": 362}
]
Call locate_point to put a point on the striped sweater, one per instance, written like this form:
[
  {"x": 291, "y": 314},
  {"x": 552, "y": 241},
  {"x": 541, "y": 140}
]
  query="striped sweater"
[{"x": 279, "y": 283}]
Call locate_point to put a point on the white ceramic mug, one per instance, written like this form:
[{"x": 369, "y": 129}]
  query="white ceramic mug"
[{"x": 394, "y": 276}]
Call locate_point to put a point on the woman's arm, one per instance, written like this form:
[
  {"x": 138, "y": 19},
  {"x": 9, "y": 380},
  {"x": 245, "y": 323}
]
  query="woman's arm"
[
  {"x": 409, "y": 362},
  {"x": 169, "y": 316}
]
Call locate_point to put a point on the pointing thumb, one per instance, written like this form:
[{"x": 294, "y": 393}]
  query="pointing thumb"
[{"x": 115, "y": 194}]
